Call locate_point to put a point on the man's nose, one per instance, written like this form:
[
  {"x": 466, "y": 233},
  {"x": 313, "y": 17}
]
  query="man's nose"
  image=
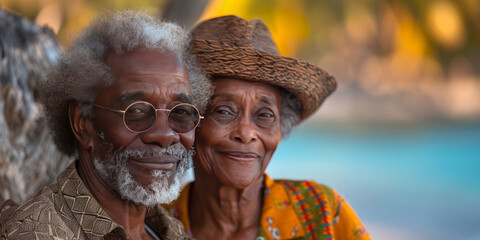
[
  {"x": 161, "y": 133},
  {"x": 245, "y": 130}
]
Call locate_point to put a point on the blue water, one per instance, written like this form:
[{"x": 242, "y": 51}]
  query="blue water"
[{"x": 415, "y": 180}]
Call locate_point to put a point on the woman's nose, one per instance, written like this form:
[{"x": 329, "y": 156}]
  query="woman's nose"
[{"x": 244, "y": 130}]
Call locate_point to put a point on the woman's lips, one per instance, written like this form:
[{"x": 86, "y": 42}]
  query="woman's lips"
[
  {"x": 166, "y": 163},
  {"x": 241, "y": 156}
]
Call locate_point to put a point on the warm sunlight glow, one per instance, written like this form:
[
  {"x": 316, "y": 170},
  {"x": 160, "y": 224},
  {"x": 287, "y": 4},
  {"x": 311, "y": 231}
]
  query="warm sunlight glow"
[
  {"x": 445, "y": 24},
  {"x": 50, "y": 15}
]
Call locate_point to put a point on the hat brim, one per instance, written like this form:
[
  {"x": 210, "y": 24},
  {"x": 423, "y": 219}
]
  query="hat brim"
[{"x": 309, "y": 83}]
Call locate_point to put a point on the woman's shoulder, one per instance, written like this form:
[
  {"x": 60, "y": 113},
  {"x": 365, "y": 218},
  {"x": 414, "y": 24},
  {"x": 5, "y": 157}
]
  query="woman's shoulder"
[
  {"x": 308, "y": 187},
  {"x": 302, "y": 183},
  {"x": 319, "y": 203}
]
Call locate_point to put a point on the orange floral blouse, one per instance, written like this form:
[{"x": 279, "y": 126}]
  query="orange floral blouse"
[{"x": 295, "y": 210}]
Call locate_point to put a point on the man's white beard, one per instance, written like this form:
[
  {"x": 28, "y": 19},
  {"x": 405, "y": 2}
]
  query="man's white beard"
[{"x": 116, "y": 174}]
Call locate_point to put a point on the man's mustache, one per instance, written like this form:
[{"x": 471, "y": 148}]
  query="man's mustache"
[{"x": 176, "y": 150}]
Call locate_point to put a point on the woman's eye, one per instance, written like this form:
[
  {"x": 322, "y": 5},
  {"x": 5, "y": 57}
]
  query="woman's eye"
[
  {"x": 266, "y": 115},
  {"x": 223, "y": 114},
  {"x": 265, "y": 118}
]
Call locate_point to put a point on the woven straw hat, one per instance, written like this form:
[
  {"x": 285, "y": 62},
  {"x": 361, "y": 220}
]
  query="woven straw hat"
[{"x": 233, "y": 47}]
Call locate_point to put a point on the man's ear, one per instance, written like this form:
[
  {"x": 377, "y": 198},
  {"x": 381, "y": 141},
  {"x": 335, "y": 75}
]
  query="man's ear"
[{"x": 81, "y": 126}]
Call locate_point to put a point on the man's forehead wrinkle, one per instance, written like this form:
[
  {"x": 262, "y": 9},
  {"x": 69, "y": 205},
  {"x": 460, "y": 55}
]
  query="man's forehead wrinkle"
[
  {"x": 128, "y": 97},
  {"x": 223, "y": 96},
  {"x": 131, "y": 96}
]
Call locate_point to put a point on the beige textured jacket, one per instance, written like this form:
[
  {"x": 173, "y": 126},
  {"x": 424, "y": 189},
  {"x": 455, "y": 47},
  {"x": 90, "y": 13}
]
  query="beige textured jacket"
[{"x": 67, "y": 210}]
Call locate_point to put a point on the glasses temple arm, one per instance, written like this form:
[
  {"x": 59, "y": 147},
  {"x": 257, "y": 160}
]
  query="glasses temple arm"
[{"x": 113, "y": 110}]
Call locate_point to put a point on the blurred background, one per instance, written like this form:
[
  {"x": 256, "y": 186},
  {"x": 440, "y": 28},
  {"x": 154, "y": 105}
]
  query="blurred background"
[{"x": 400, "y": 138}]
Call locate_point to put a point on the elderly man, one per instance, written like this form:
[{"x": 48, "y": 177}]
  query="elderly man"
[{"x": 121, "y": 99}]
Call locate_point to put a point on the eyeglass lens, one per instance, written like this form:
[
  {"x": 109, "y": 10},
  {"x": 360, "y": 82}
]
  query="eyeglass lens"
[{"x": 181, "y": 118}]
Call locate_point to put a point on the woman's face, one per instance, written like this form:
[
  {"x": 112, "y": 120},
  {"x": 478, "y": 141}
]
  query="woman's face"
[{"x": 240, "y": 132}]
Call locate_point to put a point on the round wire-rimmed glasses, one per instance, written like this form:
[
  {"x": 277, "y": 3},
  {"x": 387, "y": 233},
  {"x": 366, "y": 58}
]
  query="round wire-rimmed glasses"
[{"x": 140, "y": 116}]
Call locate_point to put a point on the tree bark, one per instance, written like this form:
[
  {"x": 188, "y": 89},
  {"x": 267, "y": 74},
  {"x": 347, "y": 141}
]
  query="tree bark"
[{"x": 28, "y": 156}]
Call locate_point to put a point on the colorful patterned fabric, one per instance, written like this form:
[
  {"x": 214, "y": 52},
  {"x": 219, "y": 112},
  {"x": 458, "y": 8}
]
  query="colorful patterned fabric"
[
  {"x": 67, "y": 210},
  {"x": 296, "y": 210}
]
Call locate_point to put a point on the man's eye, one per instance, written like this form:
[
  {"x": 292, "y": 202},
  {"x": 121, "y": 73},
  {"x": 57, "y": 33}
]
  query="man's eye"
[
  {"x": 223, "y": 112},
  {"x": 136, "y": 110},
  {"x": 181, "y": 111}
]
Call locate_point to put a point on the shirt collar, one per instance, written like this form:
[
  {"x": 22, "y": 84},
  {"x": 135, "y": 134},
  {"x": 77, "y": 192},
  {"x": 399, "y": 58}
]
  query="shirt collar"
[
  {"x": 162, "y": 222},
  {"x": 89, "y": 214}
]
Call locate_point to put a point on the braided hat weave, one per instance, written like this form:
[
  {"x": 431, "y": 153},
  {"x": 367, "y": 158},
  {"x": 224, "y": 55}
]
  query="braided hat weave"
[{"x": 233, "y": 47}]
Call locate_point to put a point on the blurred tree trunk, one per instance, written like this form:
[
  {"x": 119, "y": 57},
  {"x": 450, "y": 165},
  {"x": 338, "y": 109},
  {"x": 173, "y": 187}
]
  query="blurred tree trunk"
[
  {"x": 28, "y": 156},
  {"x": 184, "y": 12}
]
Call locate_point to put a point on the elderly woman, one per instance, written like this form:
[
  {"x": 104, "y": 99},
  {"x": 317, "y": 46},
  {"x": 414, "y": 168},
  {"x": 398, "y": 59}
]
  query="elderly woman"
[{"x": 259, "y": 96}]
